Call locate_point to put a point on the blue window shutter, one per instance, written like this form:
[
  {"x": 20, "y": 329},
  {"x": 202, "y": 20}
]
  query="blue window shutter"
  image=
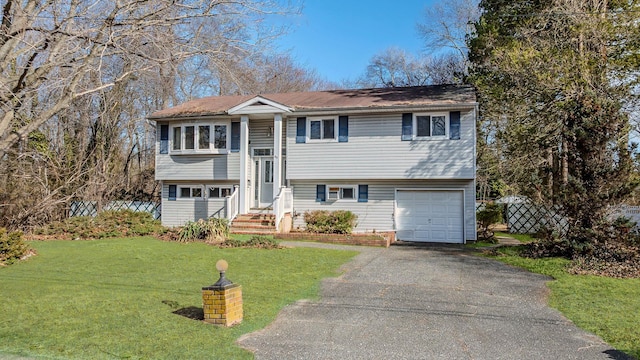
[
  {"x": 407, "y": 126},
  {"x": 321, "y": 194},
  {"x": 363, "y": 193},
  {"x": 164, "y": 139},
  {"x": 235, "y": 136},
  {"x": 301, "y": 131},
  {"x": 454, "y": 125},
  {"x": 343, "y": 129},
  {"x": 173, "y": 189}
]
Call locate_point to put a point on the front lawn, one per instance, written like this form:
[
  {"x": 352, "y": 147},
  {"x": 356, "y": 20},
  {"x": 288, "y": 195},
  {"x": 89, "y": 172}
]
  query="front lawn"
[
  {"x": 607, "y": 307},
  {"x": 115, "y": 298}
]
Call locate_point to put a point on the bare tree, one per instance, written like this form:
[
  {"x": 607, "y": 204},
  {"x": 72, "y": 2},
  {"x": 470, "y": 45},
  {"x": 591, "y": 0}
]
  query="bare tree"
[
  {"x": 446, "y": 25},
  {"x": 395, "y": 67},
  {"x": 264, "y": 73},
  {"x": 52, "y": 53},
  {"x": 78, "y": 77}
]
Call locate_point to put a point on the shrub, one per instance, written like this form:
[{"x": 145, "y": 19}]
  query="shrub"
[
  {"x": 107, "y": 224},
  {"x": 491, "y": 214},
  {"x": 12, "y": 247},
  {"x": 210, "y": 230},
  {"x": 257, "y": 241},
  {"x": 330, "y": 222}
]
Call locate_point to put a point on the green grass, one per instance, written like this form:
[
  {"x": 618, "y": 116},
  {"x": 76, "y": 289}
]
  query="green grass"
[
  {"x": 114, "y": 298},
  {"x": 607, "y": 307},
  {"x": 524, "y": 238},
  {"x": 479, "y": 244}
]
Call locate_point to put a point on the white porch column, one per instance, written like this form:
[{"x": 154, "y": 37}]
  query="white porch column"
[
  {"x": 244, "y": 161},
  {"x": 277, "y": 154}
]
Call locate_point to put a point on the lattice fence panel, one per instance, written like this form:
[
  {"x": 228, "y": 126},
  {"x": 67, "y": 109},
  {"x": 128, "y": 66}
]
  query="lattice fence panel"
[
  {"x": 91, "y": 208},
  {"x": 525, "y": 218}
]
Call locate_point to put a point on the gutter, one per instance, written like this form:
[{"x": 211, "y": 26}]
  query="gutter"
[{"x": 322, "y": 111}]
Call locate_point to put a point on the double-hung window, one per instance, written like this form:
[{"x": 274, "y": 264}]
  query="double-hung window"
[
  {"x": 431, "y": 126},
  {"x": 322, "y": 129},
  {"x": 199, "y": 138},
  {"x": 204, "y": 138},
  {"x": 220, "y": 137}
]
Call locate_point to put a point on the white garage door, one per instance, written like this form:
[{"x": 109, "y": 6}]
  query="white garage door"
[{"x": 430, "y": 216}]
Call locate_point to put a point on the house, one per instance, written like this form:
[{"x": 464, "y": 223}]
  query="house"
[{"x": 402, "y": 159}]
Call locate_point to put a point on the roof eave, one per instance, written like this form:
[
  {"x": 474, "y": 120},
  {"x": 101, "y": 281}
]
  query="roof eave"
[
  {"x": 190, "y": 116},
  {"x": 386, "y": 109},
  {"x": 342, "y": 110}
]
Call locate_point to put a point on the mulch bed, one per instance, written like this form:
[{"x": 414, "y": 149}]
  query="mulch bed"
[
  {"x": 610, "y": 259},
  {"x": 365, "y": 239}
]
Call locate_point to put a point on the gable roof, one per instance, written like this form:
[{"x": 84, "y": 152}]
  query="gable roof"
[{"x": 435, "y": 95}]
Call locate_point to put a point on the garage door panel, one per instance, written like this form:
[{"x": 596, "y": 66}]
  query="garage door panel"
[
  {"x": 430, "y": 215},
  {"x": 406, "y": 235}
]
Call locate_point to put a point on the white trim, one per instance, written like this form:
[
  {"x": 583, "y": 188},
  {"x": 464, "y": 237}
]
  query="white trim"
[
  {"x": 354, "y": 187},
  {"x": 277, "y": 154},
  {"x": 196, "y": 138},
  {"x": 268, "y": 107},
  {"x": 464, "y": 205},
  {"x": 322, "y": 119},
  {"x": 431, "y": 115},
  {"x": 244, "y": 194},
  {"x": 220, "y": 188},
  {"x": 191, "y": 187}
]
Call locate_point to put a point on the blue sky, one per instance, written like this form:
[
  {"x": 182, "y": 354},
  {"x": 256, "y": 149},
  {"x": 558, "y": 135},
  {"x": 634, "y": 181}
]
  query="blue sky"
[{"x": 338, "y": 37}]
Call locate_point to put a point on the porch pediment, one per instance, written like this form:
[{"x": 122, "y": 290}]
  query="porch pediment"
[{"x": 259, "y": 105}]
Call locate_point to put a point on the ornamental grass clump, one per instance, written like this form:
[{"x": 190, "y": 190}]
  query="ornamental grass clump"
[
  {"x": 215, "y": 230},
  {"x": 330, "y": 222}
]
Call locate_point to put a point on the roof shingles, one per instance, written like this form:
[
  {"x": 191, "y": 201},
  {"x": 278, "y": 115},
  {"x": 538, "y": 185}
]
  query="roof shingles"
[{"x": 335, "y": 99}]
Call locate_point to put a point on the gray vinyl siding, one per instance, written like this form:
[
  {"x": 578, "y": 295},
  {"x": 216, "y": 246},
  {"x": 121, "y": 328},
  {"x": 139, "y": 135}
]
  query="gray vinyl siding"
[
  {"x": 375, "y": 151},
  {"x": 378, "y": 213},
  {"x": 198, "y": 167},
  {"x": 259, "y": 133},
  {"x": 179, "y": 211}
]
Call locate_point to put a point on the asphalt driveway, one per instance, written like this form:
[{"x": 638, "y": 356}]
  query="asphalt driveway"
[{"x": 429, "y": 302}]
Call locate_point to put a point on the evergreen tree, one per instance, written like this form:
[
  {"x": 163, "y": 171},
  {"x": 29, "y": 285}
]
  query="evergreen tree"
[{"x": 556, "y": 77}]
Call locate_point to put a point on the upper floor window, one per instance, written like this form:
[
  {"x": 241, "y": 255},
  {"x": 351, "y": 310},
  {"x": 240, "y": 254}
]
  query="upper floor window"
[
  {"x": 197, "y": 138},
  {"x": 426, "y": 126},
  {"x": 431, "y": 125},
  {"x": 322, "y": 129}
]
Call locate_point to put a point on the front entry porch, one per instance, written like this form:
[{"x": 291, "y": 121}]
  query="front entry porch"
[{"x": 254, "y": 223}]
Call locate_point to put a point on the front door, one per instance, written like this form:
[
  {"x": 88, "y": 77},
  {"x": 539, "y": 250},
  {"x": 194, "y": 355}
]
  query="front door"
[{"x": 263, "y": 177}]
